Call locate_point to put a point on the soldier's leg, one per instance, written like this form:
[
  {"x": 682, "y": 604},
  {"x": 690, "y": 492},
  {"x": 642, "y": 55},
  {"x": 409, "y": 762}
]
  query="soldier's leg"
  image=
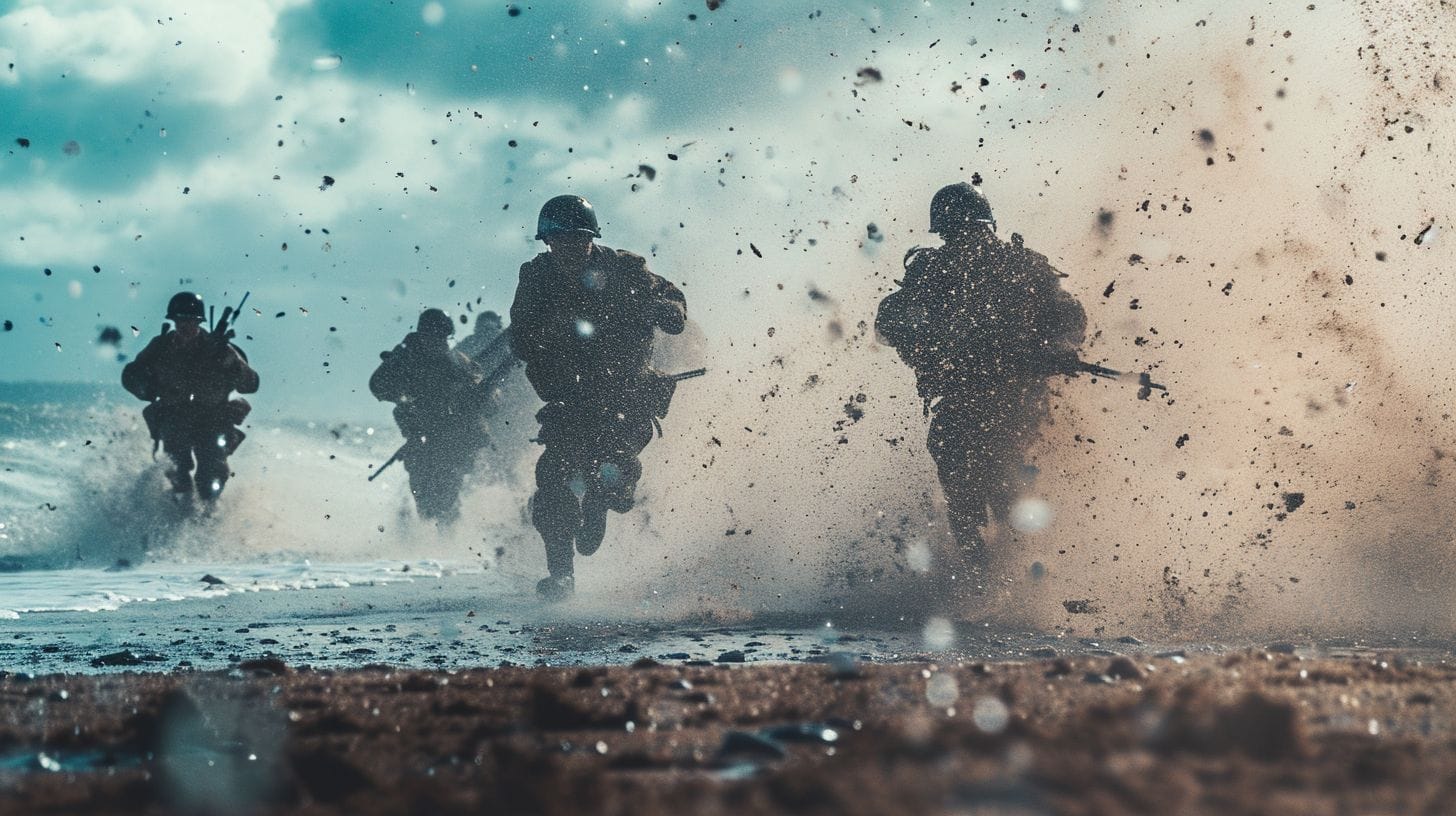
[
  {"x": 593, "y": 521},
  {"x": 613, "y": 486},
  {"x": 425, "y": 487},
  {"x": 211, "y": 448},
  {"x": 451, "y": 479},
  {"x": 555, "y": 511},
  {"x": 959, "y": 463},
  {"x": 620, "y": 468},
  {"x": 177, "y": 444}
]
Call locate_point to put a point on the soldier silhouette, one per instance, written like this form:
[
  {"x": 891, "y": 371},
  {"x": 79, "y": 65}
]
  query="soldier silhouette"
[
  {"x": 983, "y": 323},
  {"x": 439, "y": 406},
  {"x": 583, "y": 321},
  {"x": 188, "y": 375}
]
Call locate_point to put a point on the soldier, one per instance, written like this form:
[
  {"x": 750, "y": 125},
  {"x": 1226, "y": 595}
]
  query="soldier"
[
  {"x": 512, "y": 405},
  {"x": 187, "y": 375},
  {"x": 487, "y": 331},
  {"x": 583, "y": 322},
  {"x": 439, "y": 407},
  {"x": 983, "y": 323}
]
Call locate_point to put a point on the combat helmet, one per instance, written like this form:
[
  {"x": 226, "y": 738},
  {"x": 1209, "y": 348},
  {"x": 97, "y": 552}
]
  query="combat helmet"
[
  {"x": 957, "y": 205},
  {"x": 186, "y": 306},
  {"x": 567, "y": 213},
  {"x": 436, "y": 323}
]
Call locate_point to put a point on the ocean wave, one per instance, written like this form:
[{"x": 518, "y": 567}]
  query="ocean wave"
[{"x": 96, "y": 590}]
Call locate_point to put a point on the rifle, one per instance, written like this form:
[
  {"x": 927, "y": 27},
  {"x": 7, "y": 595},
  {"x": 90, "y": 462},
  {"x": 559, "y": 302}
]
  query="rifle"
[
  {"x": 684, "y": 375},
  {"x": 666, "y": 387},
  {"x": 223, "y": 331},
  {"x": 1146, "y": 386},
  {"x": 391, "y": 460}
]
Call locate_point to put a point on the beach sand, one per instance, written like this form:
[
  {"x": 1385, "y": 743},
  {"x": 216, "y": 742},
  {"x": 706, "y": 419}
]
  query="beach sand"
[{"x": 1253, "y": 731}]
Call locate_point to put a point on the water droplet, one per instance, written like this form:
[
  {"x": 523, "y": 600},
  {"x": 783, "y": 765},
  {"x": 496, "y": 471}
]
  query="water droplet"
[
  {"x": 942, "y": 690},
  {"x": 433, "y": 13},
  {"x": 1031, "y": 515},
  {"x": 990, "y": 715},
  {"x": 917, "y": 556},
  {"x": 939, "y": 634}
]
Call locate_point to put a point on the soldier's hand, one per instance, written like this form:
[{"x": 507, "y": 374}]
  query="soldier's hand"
[
  {"x": 228, "y": 360},
  {"x": 666, "y": 315}
]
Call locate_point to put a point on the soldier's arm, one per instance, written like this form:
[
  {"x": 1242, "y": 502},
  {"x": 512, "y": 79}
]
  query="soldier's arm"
[
  {"x": 896, "y": 321},
  {"x": 902, "y": 313},
  {"x": 669, "y": 306},
  {"x": 244, "y": 378},
  {"x": 1061, "y": 322},
  {"x": 139, "y": 375},
  {"x": 386, "y": 382},
  {"x": 471, "y": 374},
  {"x": 528, "y": 313}
]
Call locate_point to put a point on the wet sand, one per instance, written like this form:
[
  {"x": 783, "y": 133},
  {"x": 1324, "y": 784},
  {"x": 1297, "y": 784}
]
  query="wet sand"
[{"x": 1257, "y": 731}]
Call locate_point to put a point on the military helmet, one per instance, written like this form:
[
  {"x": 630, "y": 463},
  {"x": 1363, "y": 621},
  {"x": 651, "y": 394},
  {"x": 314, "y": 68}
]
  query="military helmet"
[
  {"x": 435, "y": 322},
  {"x": 487, "y": 320},
  {"x": 186, "y": 306},
  {"x": 957, "y": 205},
  {"x": 567, "y": 213}
]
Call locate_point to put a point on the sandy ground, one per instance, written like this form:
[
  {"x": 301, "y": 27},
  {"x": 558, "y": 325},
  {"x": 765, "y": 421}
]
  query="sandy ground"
[{"x": 1257, "y": 731}]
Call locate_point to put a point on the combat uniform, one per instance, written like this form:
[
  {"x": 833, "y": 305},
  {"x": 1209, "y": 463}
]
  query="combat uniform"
[
  {"x": 586, "y": 337},
  {"x": 983, "y": 323},
  {"x": 188, "y": 383},
  {"x": 439, "y": 407}
]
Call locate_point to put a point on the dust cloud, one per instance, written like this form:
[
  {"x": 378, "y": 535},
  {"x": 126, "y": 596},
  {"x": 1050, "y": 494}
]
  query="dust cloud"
[{"x": 1235, "y": 199}]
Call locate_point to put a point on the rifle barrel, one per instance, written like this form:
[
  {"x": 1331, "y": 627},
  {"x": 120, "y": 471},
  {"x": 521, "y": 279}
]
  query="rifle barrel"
[{"x": 391, "y": 460}]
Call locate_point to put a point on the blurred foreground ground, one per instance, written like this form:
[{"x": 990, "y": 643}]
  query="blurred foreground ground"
[{"x": 1257, "y": 731}]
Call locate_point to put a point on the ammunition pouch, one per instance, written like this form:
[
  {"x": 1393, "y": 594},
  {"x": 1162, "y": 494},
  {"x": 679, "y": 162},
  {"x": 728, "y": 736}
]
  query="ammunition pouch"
[
  {"x": 553, "y": 417},
  {"x": 237, "y": 410},
  {"x": 235, "y": 437}
]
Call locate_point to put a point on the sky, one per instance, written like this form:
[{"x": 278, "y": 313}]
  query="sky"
[{"x": 152, "y": 147}]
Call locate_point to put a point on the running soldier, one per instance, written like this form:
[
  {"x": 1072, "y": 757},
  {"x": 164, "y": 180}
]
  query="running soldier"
[
  {"x": 440, "y": 407},
  {"x": 984, "y": 323},
  {"x": 188, "y": 375},
  {"x": 583, "y": 321}
]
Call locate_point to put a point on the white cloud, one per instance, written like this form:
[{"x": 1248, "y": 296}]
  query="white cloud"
[{"x": 214, "y": 52}]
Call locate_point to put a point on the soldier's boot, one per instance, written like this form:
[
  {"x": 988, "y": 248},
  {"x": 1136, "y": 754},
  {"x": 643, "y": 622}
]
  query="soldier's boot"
[
  {"x": 557, "y": 517},
  {"x": 212, "y": 475},
  {"x": 593, "y": 523},
  {"x": 180, "y": 474},
  {"x": 181, "y": 481},
  {"x": 555, "y": 588}
]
